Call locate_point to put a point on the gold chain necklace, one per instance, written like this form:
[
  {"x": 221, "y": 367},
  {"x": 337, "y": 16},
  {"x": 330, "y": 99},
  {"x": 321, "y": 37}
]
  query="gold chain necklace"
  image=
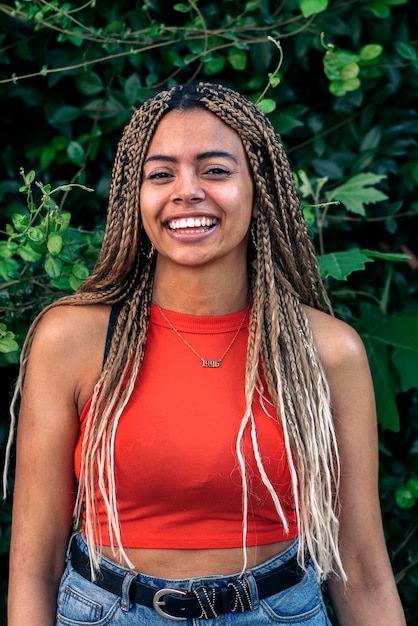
[{"x": 205, "y": 362}]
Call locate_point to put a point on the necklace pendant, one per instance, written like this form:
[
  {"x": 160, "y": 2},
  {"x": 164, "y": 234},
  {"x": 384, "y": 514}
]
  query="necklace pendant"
[{"x": 210, "y": 363}]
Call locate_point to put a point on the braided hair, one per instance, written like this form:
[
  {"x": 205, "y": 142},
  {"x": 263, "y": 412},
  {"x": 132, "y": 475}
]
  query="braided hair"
[{"x": 283, "y": 275}]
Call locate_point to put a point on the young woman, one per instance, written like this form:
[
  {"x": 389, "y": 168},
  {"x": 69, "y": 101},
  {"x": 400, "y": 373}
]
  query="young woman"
[{"x": 192, "y": 410}]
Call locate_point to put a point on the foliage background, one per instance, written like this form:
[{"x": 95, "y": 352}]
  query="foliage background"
[{"x": 338, "y": 80}]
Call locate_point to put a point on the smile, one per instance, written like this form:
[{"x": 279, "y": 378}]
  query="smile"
[{"x": 192, "y": 222}]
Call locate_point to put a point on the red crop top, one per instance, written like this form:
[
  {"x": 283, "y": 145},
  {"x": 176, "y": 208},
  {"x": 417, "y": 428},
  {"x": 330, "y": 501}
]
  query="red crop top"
[{"x": 177, "y": 478}]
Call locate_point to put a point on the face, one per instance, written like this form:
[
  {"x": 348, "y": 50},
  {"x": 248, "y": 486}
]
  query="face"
[{"x": 196, "y": 196}]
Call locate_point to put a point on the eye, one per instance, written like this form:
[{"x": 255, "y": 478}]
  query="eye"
[
  {"x": 217, "y": 170},
  {"x": 159, "y": 175}
]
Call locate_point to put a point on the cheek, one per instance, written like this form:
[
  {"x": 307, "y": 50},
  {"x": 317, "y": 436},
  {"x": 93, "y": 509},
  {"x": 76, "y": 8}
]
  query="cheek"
[
  {"x": 241, "y": 198},
  {"x": 145, "y": 219},
  {"x": 145, "y": 206}
]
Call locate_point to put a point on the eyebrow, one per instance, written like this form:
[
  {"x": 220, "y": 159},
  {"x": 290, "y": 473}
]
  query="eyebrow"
[{"x": 210, "y": 154}]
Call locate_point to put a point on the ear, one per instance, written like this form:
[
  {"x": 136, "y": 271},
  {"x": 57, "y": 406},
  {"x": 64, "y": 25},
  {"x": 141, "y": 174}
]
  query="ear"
[{"x": 254, "y": 212}]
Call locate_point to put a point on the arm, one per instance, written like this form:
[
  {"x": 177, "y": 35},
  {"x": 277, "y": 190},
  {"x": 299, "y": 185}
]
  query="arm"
[
  {"x": 370, "y": 596},
  {"x": 45, "y": 484}
]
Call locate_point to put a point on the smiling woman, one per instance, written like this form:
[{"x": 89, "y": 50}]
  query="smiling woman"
[{"x": 193, "y": 410}]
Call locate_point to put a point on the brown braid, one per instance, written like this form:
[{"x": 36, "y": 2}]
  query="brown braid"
[{"x": 283, "y": 276}]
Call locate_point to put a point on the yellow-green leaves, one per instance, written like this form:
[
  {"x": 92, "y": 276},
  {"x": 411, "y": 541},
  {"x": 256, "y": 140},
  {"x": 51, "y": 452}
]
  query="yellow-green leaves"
[
  {"x": 311, "y": 7},
  {"x": 345, "y": 69},
  {"x": 358, "y": 191},
  {"x": 41, "y": 256}
]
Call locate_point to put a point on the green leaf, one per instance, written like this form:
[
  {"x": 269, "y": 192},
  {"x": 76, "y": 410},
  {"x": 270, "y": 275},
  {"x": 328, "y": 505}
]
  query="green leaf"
[
  {"x": 332, "y": 65},
  {"x": 406, "y": 51},
  {"x": 266, "y": 105},
  {"x": 53, "y": 267},
  {"x": 339, "y": 265},
  {"x": 132, "y": 89},
  {"x": 337, "y": 88},
  {"x": 29, "y": 178},
  {"x": 406, "y": 362},
  {"x": 8, "y": 268},
  {"x": 404, "y": 498},
  {"x": 370, "y": 52},
  {"x": 181, "y": 8},
  {"x": 54, "y": 244},
  {"x": 284, "y": 123},
  {"x": 75, "y": 40},
  {"x": 64, "y": 114},
  {"x": 304, "y": 184},
  {"x": 28, "y": 254},
  {"x": 351, "y": 84},
  {"x": 90, "y": 84},
  {"x": 274, "y": 80},
  {"x": 308, "y": 215},
  {"x": 350, "y": 70},
  {"x": 74, "y": 282},
  {"x": 197, "y": 46},
  {"x": 383, "y": 379},
  {"x": 238, "y": 60},
  {"x": 358, "y": 191},
  {"x": 386, "y": 256},
  {"x": 80, "y": 271},
  {"x": 151, "y": 79},
  {"x": 63, "y": 284},
  {"x": 7, "y": 248},
  {"x": 20, "y": 222},
  {"x": 399, "y": 335},
  {"x": 412, "y": 485},
  {"x": 75, "y": 152},
  {"x": 36, "y": 234},
  {"x": 400, "y": 332},
  {"x": 214, "y": 66},
  {"x": 7, "y": 341},
  {"x": 346, "y": 57},
  {"x": 63, "y": 218},
  {"x": 47, "y": 156},
  {"x": 311, "y": 7},
  {"x": 380, "y": 8},
  {"x": 371, "y": 139}
]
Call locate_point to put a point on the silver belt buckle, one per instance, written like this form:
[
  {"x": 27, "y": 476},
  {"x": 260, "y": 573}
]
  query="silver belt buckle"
[{"x": 158, "y": 602}]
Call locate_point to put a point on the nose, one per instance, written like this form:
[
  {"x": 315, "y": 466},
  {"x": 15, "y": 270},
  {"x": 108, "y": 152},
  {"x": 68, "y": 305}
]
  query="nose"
[{"x": 187, "y": 188}]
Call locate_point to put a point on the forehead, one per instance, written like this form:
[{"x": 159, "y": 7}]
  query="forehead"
[{"x": 194, "y": 130}]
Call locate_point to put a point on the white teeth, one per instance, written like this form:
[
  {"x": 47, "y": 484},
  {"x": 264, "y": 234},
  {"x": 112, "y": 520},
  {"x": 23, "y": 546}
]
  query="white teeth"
[{"x": 191, "y": 222}]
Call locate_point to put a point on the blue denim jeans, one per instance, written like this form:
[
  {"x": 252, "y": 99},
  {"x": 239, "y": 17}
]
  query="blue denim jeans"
[{"x": 82, "y": 603}]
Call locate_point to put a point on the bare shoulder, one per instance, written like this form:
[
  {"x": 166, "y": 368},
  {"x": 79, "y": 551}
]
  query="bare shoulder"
[
  {"x": 346, "y": 365},
  {"x": 337, "y": 342},
  {"x": 72, "y": 336},
  {"x": 69, "y": 326},
  {"x": 68, "y": 349}
]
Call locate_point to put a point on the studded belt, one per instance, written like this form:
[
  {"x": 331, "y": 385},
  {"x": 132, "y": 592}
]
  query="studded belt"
[{"x": 205, "y": 602}]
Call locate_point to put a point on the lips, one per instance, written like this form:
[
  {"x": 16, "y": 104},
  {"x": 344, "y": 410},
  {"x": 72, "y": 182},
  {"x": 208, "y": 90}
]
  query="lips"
[{"x": 192, "y": 223}]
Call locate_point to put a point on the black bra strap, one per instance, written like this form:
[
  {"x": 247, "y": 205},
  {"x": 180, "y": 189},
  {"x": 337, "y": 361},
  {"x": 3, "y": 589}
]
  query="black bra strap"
[{"x": 114, "y": 314}]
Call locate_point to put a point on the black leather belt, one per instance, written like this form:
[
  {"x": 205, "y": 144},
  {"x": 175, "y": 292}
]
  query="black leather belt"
[{"x": 205, "y": 602}]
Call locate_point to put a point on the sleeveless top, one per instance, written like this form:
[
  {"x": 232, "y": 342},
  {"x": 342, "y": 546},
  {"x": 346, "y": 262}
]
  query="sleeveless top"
[{"x": 177, "y": 479}]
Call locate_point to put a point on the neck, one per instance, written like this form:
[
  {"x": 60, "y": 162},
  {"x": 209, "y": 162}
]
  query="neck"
[{"x": 202, "y": 292}]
